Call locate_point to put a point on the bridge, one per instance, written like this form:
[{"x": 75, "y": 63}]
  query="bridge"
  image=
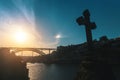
[{"x": 21, "y": 49}]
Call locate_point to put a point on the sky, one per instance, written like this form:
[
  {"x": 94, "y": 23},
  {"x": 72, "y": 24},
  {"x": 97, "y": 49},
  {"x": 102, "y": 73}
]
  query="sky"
[{"x": 52, "y": 23}]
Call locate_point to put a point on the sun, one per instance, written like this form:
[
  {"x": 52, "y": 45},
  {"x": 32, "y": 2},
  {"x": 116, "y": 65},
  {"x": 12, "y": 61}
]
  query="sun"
[{"x": 20, "y": 36}]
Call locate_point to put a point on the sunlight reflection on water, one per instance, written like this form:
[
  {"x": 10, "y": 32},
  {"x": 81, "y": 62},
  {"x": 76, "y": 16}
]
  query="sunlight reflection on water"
[{"x": 40, "y": 71}]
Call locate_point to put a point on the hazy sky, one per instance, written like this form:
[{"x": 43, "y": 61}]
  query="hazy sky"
[{"x": 43, "y": 20}]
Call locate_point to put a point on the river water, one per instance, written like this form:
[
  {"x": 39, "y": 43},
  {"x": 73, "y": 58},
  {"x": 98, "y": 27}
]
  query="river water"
[{"x": 40, "y": 71}]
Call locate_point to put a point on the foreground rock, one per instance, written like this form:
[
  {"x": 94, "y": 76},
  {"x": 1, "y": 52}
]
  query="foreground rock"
[
  {"x": 12, "y": 67},
  {"x": 100, "y": 64}
]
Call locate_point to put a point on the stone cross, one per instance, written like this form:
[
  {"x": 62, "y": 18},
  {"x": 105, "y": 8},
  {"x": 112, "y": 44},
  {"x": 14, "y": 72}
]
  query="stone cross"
[{"x": 85, "y": 20}]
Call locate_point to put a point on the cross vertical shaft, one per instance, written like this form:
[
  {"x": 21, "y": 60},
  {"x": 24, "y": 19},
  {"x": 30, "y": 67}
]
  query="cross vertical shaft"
[{"x": 85, "y": 20}]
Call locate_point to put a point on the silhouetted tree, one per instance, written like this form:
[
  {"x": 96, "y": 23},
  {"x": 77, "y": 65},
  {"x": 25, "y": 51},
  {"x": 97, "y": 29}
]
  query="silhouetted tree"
[{"x": 103, "y": 38}]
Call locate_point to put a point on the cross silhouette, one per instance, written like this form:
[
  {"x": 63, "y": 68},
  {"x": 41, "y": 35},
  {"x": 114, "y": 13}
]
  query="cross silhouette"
[{"x": 85, "y": 20}]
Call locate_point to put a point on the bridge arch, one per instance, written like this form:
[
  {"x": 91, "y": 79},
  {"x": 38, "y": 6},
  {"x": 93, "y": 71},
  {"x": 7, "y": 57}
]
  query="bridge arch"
[{"x": 40, "y": 52}]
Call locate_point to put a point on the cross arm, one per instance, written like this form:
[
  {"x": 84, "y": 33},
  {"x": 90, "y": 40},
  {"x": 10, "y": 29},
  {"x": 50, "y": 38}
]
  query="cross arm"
[{"x": 80, "y": 20}]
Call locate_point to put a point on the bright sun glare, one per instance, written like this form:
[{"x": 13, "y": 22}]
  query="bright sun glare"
[
  {"x": 58, "y": 36},
  {"x": 20, "y": 36}
]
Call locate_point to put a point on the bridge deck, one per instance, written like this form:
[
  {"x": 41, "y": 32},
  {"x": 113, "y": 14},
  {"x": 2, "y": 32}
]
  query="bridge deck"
[{"x": 28, "y": 48}]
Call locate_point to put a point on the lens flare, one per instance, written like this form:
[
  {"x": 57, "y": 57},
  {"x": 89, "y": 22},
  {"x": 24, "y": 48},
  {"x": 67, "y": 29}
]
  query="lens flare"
[{"x": 58, "y": 36}]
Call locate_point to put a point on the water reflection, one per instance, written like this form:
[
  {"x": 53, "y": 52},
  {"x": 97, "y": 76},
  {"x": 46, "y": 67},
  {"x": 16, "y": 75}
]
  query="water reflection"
[{"x": 39, "y": 71}]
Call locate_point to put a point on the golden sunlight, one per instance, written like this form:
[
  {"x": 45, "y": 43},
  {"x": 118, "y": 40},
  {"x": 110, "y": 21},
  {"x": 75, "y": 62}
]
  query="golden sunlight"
[{"x": 20, "y": 36}]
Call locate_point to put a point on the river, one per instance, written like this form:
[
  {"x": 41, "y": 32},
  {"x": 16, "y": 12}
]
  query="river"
[{"x": 40, "y": 71}]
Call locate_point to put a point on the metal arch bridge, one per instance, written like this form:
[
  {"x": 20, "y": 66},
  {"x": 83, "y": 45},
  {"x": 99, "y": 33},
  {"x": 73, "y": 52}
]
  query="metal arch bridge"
[{"x": 37, "y": 50}]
